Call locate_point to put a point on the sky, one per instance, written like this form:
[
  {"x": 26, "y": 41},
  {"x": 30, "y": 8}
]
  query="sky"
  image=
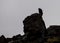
[{"x": 13, "y": 12}]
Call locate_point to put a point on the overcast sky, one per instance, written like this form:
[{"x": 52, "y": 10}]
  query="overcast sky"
[{"x": 13, "y": 12}]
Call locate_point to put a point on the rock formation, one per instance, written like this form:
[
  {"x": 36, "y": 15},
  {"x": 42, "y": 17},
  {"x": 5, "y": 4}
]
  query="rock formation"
[
  {"x": 34, "y": 27},
  {"x": 35, "y": 31},
  {"x": 53, "y": 34}
]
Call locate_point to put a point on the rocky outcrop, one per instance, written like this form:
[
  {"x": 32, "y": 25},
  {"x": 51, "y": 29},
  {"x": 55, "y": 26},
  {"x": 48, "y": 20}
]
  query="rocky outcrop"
[{"x": 35, "y": 31}]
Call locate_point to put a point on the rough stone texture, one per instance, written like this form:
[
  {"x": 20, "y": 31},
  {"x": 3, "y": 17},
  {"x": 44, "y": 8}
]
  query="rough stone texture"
[
  {"x": 35, "y": 31},
  {"x": 54, "y": 30},
  {"x": 34, "y": 27},
  {"x": 53, "y": 34}
]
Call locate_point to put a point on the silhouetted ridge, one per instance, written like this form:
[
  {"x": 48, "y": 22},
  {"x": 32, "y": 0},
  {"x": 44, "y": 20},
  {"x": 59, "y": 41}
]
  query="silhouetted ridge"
[
  {"x": 54, "y": 30},
  {"x": 35, "y": 31}
]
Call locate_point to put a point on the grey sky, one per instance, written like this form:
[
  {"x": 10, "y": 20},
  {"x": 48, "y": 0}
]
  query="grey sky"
[{"x": 13, "y": 12}]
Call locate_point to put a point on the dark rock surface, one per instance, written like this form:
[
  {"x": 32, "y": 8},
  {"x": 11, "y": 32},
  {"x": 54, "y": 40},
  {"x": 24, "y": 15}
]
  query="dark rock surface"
[
  {"x": 34, "y": 27},
  {"x": 35, "y": 31},
  {"x": 53, "y": 30},
  {"x": 53, "y": 34},
  {"x": 3, "y": 39}
]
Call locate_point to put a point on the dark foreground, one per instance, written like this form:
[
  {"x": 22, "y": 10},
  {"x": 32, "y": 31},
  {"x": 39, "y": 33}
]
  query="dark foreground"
[{"x": 35, "y": 31}]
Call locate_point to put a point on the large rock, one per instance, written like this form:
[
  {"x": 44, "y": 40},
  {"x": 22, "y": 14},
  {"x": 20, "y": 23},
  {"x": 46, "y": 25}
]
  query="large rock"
[
  {"x": 53, "y": 34},
  {"x": 53, "y": 30},
  {"x": 34, "y": 28}
]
